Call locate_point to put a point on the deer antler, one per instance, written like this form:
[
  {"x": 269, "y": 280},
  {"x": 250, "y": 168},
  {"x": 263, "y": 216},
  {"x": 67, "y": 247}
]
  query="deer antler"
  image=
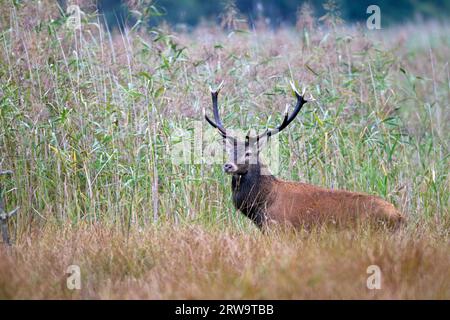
[
  {"x": 218, "y": 123},
  {"x": 286, "y": 121},
  {"x": 287, "y": 118}
]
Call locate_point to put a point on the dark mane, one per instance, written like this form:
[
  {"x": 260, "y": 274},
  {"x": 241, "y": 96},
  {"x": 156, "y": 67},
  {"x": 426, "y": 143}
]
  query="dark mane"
[{"x": 252, "y": 193}]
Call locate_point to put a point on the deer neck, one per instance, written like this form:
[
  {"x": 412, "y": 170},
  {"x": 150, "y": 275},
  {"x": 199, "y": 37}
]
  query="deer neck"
[{"x": 252, "y": 192}]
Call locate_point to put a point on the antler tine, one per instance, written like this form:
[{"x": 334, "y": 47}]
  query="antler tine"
[
  {"x": 287, "y": 118},
  {"x": 214, "y": 95},
  {"x": 219, "y": 87},
  {"x": 218, "y": 123}
]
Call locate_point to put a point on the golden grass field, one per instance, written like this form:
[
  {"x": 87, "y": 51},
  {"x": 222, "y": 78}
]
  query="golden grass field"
[
  {"x": 191, "y": 262},
  {"x": 88, "y": 119}
]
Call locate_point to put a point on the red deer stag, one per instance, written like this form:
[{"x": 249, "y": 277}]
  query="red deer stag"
[{"x": 265, "y": 199}]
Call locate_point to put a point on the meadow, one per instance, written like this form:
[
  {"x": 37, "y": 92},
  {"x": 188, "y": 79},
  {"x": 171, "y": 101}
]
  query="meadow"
[{"x": 89, "y": 118}]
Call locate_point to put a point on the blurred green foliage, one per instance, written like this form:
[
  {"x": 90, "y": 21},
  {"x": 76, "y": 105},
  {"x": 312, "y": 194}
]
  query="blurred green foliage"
[{"x": 279, "y": 12}]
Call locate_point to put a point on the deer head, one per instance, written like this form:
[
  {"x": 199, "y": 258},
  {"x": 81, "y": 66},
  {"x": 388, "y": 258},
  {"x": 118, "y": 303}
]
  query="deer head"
[{"x": 242, "y": 154}]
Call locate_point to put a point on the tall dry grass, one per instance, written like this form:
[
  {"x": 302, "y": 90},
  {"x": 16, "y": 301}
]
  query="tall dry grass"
[{"x": 191, "y": 262}]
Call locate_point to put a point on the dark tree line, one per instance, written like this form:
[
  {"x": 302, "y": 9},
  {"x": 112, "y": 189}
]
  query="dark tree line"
[{"x": 279, "y": 12}]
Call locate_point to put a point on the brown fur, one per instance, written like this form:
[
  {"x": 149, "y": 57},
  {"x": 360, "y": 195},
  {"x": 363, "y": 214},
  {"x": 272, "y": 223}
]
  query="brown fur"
[
  {"x": 268, "y": 200},
  {"x": 301, "y": 204}
]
